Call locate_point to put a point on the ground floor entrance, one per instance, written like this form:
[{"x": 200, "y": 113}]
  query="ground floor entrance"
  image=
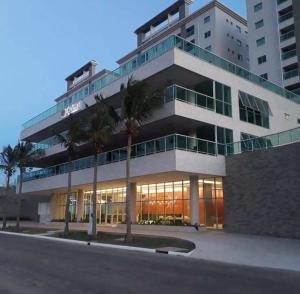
[{"x": 166, "y": 203}]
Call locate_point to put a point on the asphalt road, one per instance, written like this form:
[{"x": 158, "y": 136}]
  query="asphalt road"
[{"x": 30, "y": 266}]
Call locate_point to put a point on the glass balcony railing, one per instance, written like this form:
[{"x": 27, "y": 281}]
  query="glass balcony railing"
[
  {"x": 266, "y": 142},
  {"x": 289, "y": 54},
  {"x": 163, "y": 144},
  {"x": 176, "y": 92},
  {"x": 286, "y": 16},
  {"x": 290, "y": 74},
  {"x": 287, "y": 36},
  {"x": 153, "y": 53}
]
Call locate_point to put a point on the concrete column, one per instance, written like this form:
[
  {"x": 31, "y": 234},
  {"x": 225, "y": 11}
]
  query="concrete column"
[
  {"x": 80, "y": 205},
  {"x": 194, "y": 200},
  {"x": 133, "y": 202}
]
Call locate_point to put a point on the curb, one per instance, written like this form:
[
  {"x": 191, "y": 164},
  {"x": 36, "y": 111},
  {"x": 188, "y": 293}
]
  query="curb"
[{"x": 94, "y": 244}]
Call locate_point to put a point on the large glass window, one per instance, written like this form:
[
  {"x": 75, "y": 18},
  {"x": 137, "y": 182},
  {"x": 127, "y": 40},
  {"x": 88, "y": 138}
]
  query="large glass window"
[
  {"x": 163, "y": 203},
  {"x": 60, "y": 206},
  {"x": 224, "y": 136},
  {"x": 254, "y": 110},
  {"x": 166, "y": 203},
  {"x": 223, "y": 99},
  {"x": 211, "y": 205}
]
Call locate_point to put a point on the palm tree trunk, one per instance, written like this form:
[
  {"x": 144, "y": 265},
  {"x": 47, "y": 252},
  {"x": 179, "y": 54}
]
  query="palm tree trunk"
[
  {"x": 19, "y": 199},
  {"x": 67, "y": 212},
  {"x": 5, "y": 204},
  {"x": 128, "y": 191},
  {"x": 94, "y": 215}
]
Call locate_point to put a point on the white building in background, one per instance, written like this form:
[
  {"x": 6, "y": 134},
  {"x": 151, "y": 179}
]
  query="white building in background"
[
  {"x": 214, "y": 27},
  {"x": 274, "y": 40},
  {"x": 178, "y": 160}
]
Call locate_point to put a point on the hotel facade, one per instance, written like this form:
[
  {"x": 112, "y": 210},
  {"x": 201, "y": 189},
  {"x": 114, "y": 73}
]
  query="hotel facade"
[{"x": 214, "y": 107}]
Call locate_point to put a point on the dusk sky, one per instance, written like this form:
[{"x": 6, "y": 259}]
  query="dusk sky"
[{"x": 42, "y": 42}]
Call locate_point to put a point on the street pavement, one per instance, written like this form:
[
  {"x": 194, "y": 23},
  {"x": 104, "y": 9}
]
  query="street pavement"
[
  {"x": 212, "y": 245},
  {"x": 29, "y": 265}
]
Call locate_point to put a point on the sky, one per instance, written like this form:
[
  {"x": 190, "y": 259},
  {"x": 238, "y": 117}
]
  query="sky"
[{"x": 43, "y": 41}]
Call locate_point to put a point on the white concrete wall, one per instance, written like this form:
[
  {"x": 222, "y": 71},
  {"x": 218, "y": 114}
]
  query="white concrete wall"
[
  {"x": 270, "y": 31},
  {"x": 226, "y": 36}
]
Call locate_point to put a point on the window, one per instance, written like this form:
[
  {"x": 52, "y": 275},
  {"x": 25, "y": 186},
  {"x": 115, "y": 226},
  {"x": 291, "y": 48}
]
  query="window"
[
  {"x": 240, "y": 57},
  {"x": 207, "y": 34},
  {"x": 239, "y": 42},
  {"x": 298, "y": 120},
  {"x": 224, "y": 136},
  {"x": 264, "y": 76},
  {"x": 260, "y": 41},
  {"x": 251, "y": 142},
  {"x": 258, "y": 7},
  {"x": 259, "y": 24},
  {"x": 247, "y": 142},
  {"x": 207, "y": 19},
  {"x": 254, "y": 110},
  {"x": 228, "y": 35},
  {"x": 208, "y": 48},
  {"x": 193, "y": 41},
  {"x": 190, "y": 31},
  {"x": 223, "y": 99},
  {"x": 238, "y": 28},
  {"x": 262, "y": 59}
]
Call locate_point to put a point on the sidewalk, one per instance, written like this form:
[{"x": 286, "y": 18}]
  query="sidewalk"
[{"x": 219, "y": 246}]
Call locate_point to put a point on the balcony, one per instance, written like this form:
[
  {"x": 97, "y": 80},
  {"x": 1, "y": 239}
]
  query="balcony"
[
  {"x": 289, "y": 54},
  {"x": 287, "y": 36},
  {"x": 163, "y": 144},
  {"x": 290, "y": 74},
  {"x": 172, "y": 93},
  {"x": 285, "y": 17},
  {"x": 153, "y": 53}
]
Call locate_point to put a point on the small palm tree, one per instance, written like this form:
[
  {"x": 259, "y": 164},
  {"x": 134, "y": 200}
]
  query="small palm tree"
[
  {"x": 98, "y": 129},
  {"x": 70, "y": 140},
  {"x": 138, "y": 103},
  {"x": 8, "y": 166},
  {"x": 26, "y": 154}
]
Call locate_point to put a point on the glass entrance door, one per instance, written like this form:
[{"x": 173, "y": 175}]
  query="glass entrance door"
[{"x": 112, "y": 213}]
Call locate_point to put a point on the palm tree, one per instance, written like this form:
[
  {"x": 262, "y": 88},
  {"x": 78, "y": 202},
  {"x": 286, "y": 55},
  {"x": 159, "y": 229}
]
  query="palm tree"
[
  {"x": 70, "y": 140},
  {"x": 138, "y": 103},
  {"x": 98, "y": 129},
  {"x": 26, "y": 154},
  {"x": 8, "y": 165}
]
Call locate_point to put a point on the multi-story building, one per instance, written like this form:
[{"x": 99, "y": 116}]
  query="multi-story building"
[
  {"x": 274, "y": 41},
  {"x": 214, "y": 27},
  {"x": 178, "y": 160}
]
